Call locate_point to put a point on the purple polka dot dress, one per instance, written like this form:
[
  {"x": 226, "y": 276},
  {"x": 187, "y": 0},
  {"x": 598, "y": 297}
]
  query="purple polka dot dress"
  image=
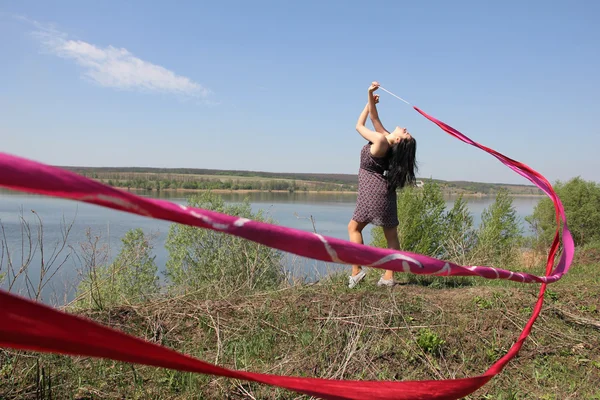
[{"x": 375, "y": 203}]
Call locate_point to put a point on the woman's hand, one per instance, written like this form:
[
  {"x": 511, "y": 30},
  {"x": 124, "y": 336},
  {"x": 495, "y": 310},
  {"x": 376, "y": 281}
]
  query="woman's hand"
[
  {"x": 373, "y": 100},
  {"x": 374, "y": 86}
]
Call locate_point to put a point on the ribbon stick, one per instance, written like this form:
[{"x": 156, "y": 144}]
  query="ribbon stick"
[
  {"x": 396, "y": 96},
  {"x": 27, "y": 325}
]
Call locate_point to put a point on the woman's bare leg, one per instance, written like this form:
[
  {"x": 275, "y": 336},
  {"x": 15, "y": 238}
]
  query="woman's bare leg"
[
  {"x": 391, "y": 235},
  {"x": 355, "y": 232}
]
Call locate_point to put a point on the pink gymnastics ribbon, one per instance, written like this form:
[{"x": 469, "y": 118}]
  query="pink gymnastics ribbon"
[{"x": 27, "y": 325}]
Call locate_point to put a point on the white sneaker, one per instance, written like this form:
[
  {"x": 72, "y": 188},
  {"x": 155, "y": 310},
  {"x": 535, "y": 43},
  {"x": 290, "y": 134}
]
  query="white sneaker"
[
  {"x": 386, "y": 282},
  {"x": 353, "y": 281}
]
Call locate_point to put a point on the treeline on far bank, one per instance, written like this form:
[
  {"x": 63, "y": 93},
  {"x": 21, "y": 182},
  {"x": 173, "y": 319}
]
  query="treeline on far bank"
[
  {"x": 157, "y": 182},
  {"x": 158, "y": 179},
  {"x": 225, "y": 184}
]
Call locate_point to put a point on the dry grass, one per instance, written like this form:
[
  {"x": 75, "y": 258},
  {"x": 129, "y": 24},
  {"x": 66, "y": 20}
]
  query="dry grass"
[
  {"x": 532, "y": 258},
  {"x": 326, "y": 330}
]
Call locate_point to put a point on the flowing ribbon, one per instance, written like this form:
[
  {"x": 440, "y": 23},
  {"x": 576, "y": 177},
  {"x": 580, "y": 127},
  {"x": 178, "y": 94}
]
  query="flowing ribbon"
[{"x": 28, "y": 325}]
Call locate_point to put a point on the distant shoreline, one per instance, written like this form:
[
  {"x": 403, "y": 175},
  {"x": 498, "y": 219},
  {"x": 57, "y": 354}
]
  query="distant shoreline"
[
  {"x": 324, "y": 192},
  {"x": 313, "y": 192},
  {"x": 190, "y": 180},
  {"x": 335, "y": 178}
]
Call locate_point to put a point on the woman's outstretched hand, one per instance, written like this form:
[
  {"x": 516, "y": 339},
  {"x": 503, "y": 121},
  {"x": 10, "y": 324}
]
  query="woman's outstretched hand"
[
  {"x": 372, "y": 109},
  {"x": 374, "y": 86}
]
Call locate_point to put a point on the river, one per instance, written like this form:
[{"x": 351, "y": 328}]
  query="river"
[{"x": 330, "y": 213}]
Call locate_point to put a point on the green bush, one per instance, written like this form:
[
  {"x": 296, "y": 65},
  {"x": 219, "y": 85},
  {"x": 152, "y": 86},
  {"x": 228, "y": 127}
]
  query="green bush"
[
  {"x": 581, "y": 200},
  {"x": 460, "y": 238},
  {"x": 426, "y": 227},
  {"x": 422, "y": 221},
  {"x": 131, "y": 278},
  {"x": 499, "y": 236},
  {"x": 209, "y": 261}
]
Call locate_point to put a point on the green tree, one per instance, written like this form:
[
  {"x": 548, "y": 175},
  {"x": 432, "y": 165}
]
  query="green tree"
[
  {"x": 190, "y": 185},
  {"x": 460, "y": 238},
  {"x": 202, "y": 259},
  {"x": 422, "y": 221},
  {"x": 131, "y": 278},
  {"x": 426, "y": 227},
  {"x": 499, "y": 234},
  {"x": 581, "y": 200}
]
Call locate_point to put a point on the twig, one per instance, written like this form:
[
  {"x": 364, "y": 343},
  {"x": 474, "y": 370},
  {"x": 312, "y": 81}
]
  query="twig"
[
  {"x": 312, "y": 220},
  {"x": 390, "y": 328},
  {"x": 245, "y": 391},
  {"x": 353, "y": 316},
  {"x": 351, "y": 349},
  {"x": 217, "y": 332},
  {"x": 576, "y": 319},
  {"x": 279, "y": 329}
]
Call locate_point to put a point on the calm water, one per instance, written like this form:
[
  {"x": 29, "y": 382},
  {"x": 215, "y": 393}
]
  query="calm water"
[{"x": 331, "y": 213}]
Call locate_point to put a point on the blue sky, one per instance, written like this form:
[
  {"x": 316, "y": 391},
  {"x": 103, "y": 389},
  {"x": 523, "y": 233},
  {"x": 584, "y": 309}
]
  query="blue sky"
[{"x": 278, "y": 86}]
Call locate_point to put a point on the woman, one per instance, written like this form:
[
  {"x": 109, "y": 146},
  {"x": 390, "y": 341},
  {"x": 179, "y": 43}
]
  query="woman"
[{"x": 387, "y": 162}]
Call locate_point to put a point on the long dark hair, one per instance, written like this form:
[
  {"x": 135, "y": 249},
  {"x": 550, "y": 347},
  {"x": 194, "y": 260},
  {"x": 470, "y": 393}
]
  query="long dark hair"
[{"x": 403, "y": 164}]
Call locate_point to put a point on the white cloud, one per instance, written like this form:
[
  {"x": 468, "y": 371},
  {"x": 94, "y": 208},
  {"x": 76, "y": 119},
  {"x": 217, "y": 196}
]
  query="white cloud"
[{"x": 117, "y": 67}]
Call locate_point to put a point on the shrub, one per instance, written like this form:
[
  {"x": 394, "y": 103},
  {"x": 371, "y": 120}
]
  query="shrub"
[
  {"x": 426, "y": 227},
  {"x": 131, "y": 278},
  {"x": 422, "y": 221},
  {"x": 202, "y": 259},
  {"x": 581, "y": 200},
  {"x": 460, "y": 237},
  {"x": 499, "y": 236}
]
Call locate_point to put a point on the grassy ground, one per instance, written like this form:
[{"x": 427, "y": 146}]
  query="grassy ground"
[{"x": 425, "y": 328}]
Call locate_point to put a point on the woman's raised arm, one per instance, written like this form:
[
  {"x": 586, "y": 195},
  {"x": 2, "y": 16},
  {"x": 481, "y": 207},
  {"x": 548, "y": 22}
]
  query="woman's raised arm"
[{"x": 373, "y": 100}]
